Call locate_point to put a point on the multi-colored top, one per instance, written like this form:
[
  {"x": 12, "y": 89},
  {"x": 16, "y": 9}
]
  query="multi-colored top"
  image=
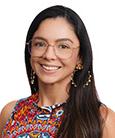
[{"x": 30, "y": 121}]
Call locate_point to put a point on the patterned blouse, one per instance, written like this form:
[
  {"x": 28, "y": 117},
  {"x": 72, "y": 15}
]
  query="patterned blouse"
[{"x": 30, "y": 121}]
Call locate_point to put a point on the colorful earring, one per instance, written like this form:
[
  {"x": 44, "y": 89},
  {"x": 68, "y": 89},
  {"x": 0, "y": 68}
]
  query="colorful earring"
[{"x": 32, "y": 77}]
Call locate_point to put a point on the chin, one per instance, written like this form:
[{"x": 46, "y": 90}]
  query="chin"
[{"x": 49, "y": 82}]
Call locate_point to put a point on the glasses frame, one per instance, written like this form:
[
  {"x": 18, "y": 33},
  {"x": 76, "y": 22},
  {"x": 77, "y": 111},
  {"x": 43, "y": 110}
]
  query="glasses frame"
[{"x": 30, "y": 45}]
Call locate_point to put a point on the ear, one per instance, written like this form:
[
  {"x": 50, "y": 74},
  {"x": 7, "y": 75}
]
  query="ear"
[{"x": 79, "y": 60}]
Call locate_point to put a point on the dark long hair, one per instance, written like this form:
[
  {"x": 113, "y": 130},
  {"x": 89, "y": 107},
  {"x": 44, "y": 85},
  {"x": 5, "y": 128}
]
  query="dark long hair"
[{"x": 82, "y": 117}]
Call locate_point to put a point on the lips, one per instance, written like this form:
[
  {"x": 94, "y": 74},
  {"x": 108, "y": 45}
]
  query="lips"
[{"x": 50, "y": 67}]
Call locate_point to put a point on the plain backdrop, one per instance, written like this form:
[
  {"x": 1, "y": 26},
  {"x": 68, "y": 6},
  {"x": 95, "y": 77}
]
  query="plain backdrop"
[{"x": 15, "y": 19}]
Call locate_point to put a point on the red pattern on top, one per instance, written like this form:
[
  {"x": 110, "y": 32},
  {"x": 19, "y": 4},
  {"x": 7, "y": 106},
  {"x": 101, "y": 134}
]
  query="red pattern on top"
[{"x": 30, "y": 121}]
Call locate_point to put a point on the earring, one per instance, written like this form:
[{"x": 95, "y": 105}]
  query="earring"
[
  {"x": 88, "y": 80},
  {"x": 32, "y": 77},
  {"x": 79, "y": 67},
  {"x": 72, "y": 81}
]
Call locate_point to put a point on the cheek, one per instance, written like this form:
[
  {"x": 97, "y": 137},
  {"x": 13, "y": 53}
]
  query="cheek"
[
  {"x": 74, "y": 61},
  {"x": 75, "y": 58},
  {"x": 71, "y": 63},
  {"x": 33, "y": 63}
]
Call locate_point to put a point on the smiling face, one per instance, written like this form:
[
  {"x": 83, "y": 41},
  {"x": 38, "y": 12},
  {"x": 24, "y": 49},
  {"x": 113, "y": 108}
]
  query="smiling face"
[{"x": 49, "y": 66}]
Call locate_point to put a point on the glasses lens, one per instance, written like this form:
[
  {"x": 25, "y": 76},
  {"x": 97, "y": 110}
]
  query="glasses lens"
[
  {"x": 37, "y": 47},
  {"x": 63, "y": 51}
]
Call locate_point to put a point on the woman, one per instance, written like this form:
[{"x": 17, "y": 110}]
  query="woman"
[{"x": 64, "y": 101}]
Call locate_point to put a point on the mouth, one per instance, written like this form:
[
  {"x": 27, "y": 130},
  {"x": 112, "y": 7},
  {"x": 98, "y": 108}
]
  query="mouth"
[{"x": 50, "y": 67}]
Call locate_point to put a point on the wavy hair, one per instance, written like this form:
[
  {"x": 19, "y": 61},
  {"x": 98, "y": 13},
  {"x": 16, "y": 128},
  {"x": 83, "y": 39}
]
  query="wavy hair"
[{"x": 82, "y": 117}]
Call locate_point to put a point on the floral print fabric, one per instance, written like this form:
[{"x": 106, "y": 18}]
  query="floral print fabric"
[{"x": 30, "y": 121}]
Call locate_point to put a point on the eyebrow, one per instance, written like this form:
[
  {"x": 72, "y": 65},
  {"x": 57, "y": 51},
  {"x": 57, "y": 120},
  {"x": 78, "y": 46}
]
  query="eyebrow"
[{"x": 57, "y": 40}]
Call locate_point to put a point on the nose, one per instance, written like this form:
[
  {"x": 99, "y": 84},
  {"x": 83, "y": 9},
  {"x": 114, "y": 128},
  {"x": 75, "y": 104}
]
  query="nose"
[{"x": 50, "y": 53}]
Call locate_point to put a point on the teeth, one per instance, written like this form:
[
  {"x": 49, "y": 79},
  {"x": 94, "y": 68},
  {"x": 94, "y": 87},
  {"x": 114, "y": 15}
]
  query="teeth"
[{"x": 50, "y": 67}]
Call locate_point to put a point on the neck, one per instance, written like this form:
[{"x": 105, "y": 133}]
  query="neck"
[{"x": 50, "y": 94}]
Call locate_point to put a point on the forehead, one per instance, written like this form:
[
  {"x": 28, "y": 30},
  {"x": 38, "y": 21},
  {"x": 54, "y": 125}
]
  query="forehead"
[{"x": 55, "y": 28}]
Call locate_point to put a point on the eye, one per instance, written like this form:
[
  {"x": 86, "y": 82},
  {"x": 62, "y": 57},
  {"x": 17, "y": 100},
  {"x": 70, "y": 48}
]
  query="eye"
[
  {"x": 40, "y": 44},
  {"x": 64, "y": 46}
]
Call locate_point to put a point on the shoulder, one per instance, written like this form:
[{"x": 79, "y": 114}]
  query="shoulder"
[
  {"x": 109, "y": 122},
  {"x": 5, "y": 114},
  {"x": 8, "y": 108}
]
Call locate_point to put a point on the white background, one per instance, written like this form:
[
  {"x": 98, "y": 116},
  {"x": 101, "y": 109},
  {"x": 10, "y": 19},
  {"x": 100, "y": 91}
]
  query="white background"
[{"x": 15, "y": 18}]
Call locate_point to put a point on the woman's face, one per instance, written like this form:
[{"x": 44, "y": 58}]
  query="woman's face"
[{"x": 50, "y": 67}]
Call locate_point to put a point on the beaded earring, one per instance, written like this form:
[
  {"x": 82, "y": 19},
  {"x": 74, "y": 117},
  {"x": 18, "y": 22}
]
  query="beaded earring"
[
  {"x": 88, "y": 80},
  {"x": 77, "y": 68},
  {"x": 72, "y": 81},
  {"x": 32, "y": 77}
]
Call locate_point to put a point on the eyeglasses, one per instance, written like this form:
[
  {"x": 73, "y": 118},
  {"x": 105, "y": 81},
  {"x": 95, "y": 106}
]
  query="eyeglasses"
[{"x": 62, "y": 49}]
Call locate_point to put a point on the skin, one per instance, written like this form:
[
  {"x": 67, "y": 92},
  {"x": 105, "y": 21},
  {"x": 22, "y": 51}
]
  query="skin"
[{"x": 54, "y": 83}]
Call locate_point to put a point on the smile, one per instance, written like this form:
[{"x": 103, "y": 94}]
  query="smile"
[{"x": 50, "y": 67}]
